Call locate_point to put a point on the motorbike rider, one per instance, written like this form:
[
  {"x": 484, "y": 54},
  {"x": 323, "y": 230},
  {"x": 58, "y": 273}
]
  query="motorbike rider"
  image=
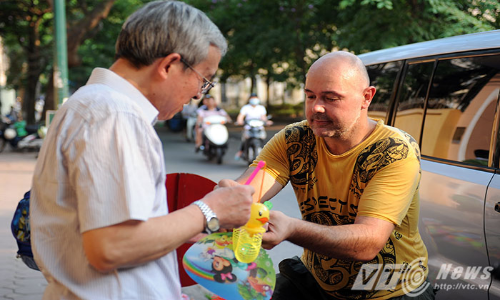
[
  {"x": 209, "y": 108},
  {"x": 251, "y": 111},
  {"x": 189, "y": 116},
  {"x": 12, "y": 115}
]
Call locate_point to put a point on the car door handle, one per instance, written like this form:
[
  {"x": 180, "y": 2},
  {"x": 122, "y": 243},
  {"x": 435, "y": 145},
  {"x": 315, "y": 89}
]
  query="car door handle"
[{"x": 497, "y": 207}]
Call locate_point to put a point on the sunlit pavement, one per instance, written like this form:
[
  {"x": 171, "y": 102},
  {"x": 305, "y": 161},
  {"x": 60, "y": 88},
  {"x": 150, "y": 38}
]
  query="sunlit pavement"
[{"x": 17, "y": 281}]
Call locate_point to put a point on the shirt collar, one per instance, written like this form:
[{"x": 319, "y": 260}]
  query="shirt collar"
[{"x": 115, "y": 81}]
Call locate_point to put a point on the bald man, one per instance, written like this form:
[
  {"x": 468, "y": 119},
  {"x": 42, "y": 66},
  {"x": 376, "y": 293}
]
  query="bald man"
[{"x": 356, "y": 182}]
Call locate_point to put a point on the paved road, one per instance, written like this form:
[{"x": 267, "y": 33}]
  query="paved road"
[
  {"x": 21, "y": 283},
  {"x": 16, "y": 280}
]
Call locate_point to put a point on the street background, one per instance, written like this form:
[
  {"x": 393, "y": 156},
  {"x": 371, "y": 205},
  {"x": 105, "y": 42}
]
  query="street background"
[{"x": 19, "y": 282}]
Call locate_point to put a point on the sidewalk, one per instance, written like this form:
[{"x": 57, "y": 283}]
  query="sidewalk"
[{"x": 17, "y": 281}]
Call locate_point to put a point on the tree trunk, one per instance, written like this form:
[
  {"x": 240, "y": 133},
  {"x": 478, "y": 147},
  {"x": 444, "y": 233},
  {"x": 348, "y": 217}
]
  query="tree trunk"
[
  {"x": 253, "y": 87},
  {"x": 223, "y": 95},
  {"x": 34, "y": 71},
  {"x": 78, "y": 31},
  {"x": 76, "y": 35},
  {"x": 268, "y": 92},
  {"x": 49, "y": 95}
]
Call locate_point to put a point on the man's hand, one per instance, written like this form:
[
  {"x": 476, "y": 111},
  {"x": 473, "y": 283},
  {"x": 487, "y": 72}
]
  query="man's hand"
[
  {"x": 280, "y": 227},
  {"x": 227, "y": 183},
  {"x": 231, "y": 203}
]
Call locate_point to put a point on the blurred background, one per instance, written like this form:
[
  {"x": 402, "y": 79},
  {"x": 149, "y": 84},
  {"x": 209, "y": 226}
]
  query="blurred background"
[{"x": 271, "y": 43}]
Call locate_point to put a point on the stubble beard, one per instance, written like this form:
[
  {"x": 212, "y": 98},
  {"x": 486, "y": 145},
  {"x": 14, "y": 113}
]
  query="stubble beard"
[{"x": 335, "y": 130}]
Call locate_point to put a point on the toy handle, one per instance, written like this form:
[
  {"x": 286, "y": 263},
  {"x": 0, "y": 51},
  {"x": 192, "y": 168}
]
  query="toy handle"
[{"x": 260, "y": 165}]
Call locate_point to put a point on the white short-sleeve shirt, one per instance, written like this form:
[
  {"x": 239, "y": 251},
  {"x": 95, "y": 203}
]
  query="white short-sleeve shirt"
[
  {"x": 253, "y": 112},
  {"x": 101, "y": 164}
]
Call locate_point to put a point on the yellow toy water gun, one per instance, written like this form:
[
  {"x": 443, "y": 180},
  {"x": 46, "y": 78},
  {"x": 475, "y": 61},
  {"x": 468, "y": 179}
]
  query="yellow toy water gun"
[{"x": 247, "y": 239}]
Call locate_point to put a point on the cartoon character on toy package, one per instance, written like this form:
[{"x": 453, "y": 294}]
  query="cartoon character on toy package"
[{"x": 211, "y": 263}]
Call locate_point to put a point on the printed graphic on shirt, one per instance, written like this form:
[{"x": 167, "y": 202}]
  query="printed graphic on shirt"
[
  {"x": 375, "y": 157},
  {"x": 413, "y": 143},
  {"x": 334, "y": 216},
  {"x": 334, "y": 275},
  {"x": 301, "y": 149}
]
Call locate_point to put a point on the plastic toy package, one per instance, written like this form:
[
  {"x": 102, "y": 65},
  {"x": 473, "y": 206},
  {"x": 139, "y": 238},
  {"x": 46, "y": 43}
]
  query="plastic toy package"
[{"x": 211, "y": 262}]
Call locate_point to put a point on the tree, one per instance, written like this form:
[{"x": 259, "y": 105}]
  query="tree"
[
  {"x": 28, "y": 29},
  {"x": 377, "y": 24},
  {"x": 272, "y": 38},
  {"x": 275, "y": 39},
  {"x": 83, "y": 19},
  {"x": 98, "y": 47},
  {"x": 279, "y": 39}
]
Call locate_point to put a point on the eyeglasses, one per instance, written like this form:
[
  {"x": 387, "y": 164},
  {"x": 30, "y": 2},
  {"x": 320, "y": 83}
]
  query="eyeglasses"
[{"x": 207, "y": 84}]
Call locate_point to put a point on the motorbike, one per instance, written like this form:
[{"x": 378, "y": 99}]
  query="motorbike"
[
  {"x": 21, "y": 137},
  {"x": 215, "y": 137},
  {"x": 176, "y": 123},
  {"x": 253, "y": 139},
  {"x": 191, "y": 127},
  {"x": 5, "y": 123}
]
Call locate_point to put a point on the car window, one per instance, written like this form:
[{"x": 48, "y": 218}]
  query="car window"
[
  {"x": 382, "y": 77},
  {"x": 461, "y": 108},
  {"x": 410, "y": 109}
]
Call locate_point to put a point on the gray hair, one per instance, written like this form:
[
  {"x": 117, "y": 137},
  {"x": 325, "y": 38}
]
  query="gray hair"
[{"x": 161, "y": 28}]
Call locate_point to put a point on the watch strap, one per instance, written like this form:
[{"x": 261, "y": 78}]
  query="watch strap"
[{"x": 207, "y": 212}]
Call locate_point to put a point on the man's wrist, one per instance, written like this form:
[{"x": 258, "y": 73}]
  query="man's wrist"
[{"x": 211, "y": 223}]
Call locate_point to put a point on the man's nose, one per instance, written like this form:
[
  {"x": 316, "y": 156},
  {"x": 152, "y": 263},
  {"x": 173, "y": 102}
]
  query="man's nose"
[{"x": 319, "y": 108}]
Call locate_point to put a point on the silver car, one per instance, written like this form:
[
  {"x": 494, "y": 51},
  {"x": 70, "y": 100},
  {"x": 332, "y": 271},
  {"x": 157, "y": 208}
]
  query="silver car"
[{"x": 445, "y": 93}]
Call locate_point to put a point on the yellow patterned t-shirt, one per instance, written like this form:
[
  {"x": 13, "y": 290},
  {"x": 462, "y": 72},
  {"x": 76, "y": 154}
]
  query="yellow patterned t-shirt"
[{"x": 378, "y": 178}]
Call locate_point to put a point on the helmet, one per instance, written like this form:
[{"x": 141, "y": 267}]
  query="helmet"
[
  {"x": 42, "y": 131},
  {"x": 10, "y": 133}
]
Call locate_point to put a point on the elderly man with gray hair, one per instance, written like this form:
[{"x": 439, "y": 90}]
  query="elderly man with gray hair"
[{"x": 100, "y": 223}]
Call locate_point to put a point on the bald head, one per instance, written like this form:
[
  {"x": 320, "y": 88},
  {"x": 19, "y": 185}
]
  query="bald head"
[
  {"x": 337, "y": 98},
  {"x": 350, "y": 66}
]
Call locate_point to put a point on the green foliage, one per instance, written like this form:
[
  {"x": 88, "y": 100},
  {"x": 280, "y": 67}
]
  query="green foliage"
[
  {"x": 276, "y": 39},
  {"x": 279, "y": 39},
  {"x": 387, "y": 4},
  {"x": 376, "y": 24},
  {"x": 99, "y": 49},
  {"x": 286, "y": 110},
  {"x": 26, "y": 30}
]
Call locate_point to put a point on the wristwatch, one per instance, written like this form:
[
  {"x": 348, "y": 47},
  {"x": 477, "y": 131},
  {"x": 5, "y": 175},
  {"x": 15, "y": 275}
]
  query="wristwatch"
[{"x": 210, "y": 216}]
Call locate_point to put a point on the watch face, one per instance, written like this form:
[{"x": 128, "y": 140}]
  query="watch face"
[{"x": 213, "y": 224}]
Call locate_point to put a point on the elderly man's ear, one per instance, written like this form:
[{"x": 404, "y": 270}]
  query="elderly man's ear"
[{"x": 166, "y": 63}]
